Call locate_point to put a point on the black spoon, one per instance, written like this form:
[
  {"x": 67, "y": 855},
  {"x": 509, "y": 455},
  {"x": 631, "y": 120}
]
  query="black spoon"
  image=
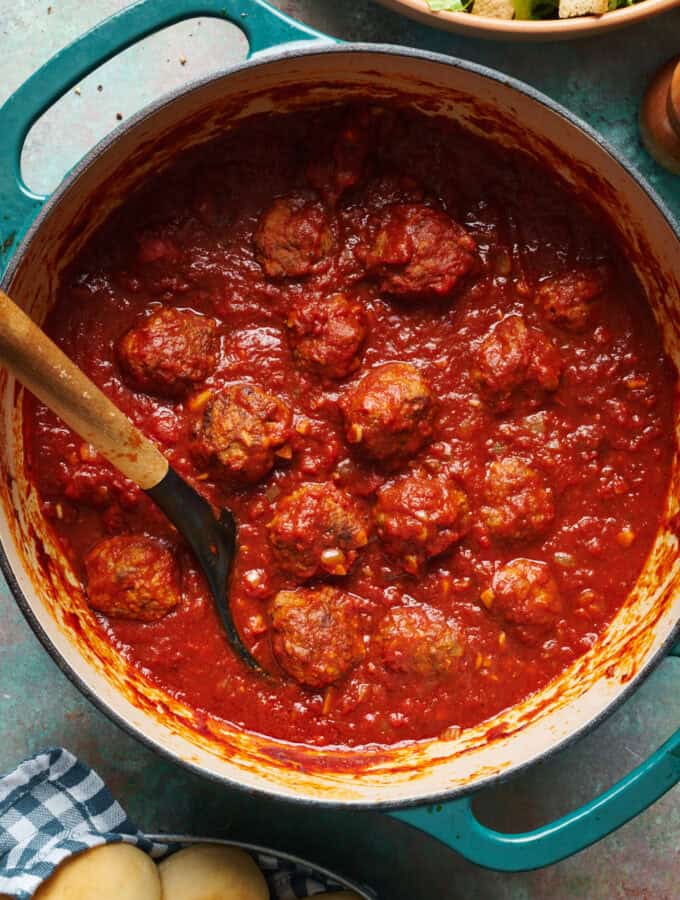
[{"x": 40, "y": 365}]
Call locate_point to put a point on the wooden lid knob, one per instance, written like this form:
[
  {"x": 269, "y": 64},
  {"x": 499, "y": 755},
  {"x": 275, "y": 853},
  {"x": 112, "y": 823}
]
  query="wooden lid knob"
[{"x": 660, "y": 116}]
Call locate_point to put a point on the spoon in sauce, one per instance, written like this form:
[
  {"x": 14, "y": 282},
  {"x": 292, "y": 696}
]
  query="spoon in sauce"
[{"x": 27, "y": 352}]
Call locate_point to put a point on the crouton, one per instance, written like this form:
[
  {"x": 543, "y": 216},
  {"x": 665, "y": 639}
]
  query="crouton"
[
  {"x": 569, "y": 8},
  {"x": 496, "y": 9}
]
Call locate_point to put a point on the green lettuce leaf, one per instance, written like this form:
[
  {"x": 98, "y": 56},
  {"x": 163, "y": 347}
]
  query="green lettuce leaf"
[
  {"x": 535, "y": 9},
  {"x": 448, "y": 5}
]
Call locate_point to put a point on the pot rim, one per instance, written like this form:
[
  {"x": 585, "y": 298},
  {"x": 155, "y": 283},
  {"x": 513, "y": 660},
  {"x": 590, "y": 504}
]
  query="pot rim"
[{"x": 263, "y": 58}]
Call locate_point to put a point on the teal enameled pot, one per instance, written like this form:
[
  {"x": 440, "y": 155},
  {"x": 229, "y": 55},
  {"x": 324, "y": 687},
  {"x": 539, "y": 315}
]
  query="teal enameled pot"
[{"x": 291, "y": 67}]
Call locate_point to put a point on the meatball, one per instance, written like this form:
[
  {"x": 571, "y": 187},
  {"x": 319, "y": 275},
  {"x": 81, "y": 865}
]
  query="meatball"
[
  {"x": 389, "y": 189},
  {"x": 240, "y": 431},
  {"x": 343, "y": 162},
  {"x": 419, "y": 251},
  {"x": 419, "y": 517},
  {"x": 418, "y": 640},
  {"x": 519, "y": 502},
  {"x": 293, "y": 237},
  {"x": 156, "y": 249},
  {"x": 327, "y": 338},
  {"x": 169, "y": 352},
  {"x": 513, "y": 356},
  {"x": 317, "y": 529},
  {"x": 390, "y": 413},
  {"x": 316, "y": 634},
  {"x": 132, "y": 577},
  {"x": 566, "y": 299},
  {"x": 525, "y": 593}
]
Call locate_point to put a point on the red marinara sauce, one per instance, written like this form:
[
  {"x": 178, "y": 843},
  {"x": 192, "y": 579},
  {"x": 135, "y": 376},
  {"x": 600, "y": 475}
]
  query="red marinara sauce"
[{"x": 426, "y": 382}]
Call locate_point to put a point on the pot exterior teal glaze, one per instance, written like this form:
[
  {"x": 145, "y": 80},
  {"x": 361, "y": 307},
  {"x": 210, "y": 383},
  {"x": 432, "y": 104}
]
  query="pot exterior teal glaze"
[{"x": 451, "y": 822}]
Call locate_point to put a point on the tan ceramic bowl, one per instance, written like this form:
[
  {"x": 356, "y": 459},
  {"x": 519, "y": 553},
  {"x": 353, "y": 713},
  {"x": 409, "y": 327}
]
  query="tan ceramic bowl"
[{"x": 522, "y": 30}]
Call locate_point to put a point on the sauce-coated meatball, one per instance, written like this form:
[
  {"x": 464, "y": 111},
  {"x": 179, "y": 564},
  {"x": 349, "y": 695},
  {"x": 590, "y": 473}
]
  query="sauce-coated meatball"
[
  {"x": 418, "y": 640},
  {"x": 132, "y": 577},
  {"x": 169, "y": 352},
  {"x": 525, "y": 593},
  {"x": 240, "y": 431},
  {"x": 512, "y": 356},
  {"x": 419, "y": 251},
  {"x": 567, "y": 299},
  {"x": 520, "y": 503},
  {"x": 317, "y": 634},
  {"x": 327, "y": 338},
  {"x": 419, "y": 517},
  {"x": 317, "y": 529},
  {"x": 390, "y": 413},
  {"x": 293, "y": 237},
  {"x": 342, "y": 165}
]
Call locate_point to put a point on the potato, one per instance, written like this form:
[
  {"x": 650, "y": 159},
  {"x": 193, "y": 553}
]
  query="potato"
[
  {"x": 209, "y": 872},
  {"x": 109, "y": 872}
]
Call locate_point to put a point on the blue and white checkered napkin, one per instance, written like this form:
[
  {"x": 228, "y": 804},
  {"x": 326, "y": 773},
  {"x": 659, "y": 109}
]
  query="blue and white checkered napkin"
[{"x": 52, "y": 806}]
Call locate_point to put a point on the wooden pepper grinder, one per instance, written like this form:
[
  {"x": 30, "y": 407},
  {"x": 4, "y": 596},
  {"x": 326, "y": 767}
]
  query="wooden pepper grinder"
[{"x": 660, "y": 116}]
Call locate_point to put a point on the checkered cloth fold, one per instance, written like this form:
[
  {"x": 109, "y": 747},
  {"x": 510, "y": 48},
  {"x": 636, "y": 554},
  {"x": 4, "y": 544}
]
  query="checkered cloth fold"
[{"x": 52, "y": 806}]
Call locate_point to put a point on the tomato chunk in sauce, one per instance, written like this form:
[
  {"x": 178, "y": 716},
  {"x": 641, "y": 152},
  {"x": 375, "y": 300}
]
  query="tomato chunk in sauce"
[{"x": 427, "y": 383}]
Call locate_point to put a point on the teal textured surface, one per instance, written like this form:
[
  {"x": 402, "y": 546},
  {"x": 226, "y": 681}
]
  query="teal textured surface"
[
  {"x": 456, "y": 825},
  {"x": 479, "y": 843}
]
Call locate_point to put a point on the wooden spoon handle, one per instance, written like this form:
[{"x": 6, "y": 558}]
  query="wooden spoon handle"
[
  {"x": 48, "y": 373},
  {"x": 660, "y": 116}
]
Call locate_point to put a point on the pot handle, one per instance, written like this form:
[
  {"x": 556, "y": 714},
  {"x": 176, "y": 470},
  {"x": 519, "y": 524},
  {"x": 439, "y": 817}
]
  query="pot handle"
[
  {"x": 456, "y": 825},
  {"x": 264, "y": 26}
]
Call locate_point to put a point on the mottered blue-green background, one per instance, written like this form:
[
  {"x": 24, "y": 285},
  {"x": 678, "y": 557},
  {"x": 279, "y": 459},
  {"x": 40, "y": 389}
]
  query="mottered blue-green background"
[{"x": 602, "y": 80}]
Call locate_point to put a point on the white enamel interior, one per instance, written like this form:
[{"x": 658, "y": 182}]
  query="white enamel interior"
[{"x": 406, "y": 773}]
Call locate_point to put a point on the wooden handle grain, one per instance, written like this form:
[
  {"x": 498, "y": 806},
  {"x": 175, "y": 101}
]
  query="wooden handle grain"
[
  {"x": 660, "y": 116},
  {"x": 49, "y": 374}
]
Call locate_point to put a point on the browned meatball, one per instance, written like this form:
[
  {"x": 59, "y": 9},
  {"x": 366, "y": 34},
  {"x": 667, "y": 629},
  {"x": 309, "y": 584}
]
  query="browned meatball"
[
  {"x": 520, "y": 503},
  {"x": 419, "y": 517},
  {"x": 169, "y": 352},
  {"x": 328, "y": 338},
  {"x": 567, "y": 299},
  {"x": 419, "y": 251},
  {"x": 317, "y": 529},
  {"x": 317, "y": 634},
  {"x": 390, "y": 413},
  {"x": 132, "y": 577},
  {"x": 418, "y": 640},
  {"x": 390, "y": 189},
  {"x": 293, "y": 237},
  {"x": 240, "y": 432},
  {"x": 525, "y": 593},
  {"x": 342, "y": 163},
  {"x": 513, "y": 356}
]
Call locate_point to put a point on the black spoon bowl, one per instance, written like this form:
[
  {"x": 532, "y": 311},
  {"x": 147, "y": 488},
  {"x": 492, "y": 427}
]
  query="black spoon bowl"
[{"x": 213, "y": 541}]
